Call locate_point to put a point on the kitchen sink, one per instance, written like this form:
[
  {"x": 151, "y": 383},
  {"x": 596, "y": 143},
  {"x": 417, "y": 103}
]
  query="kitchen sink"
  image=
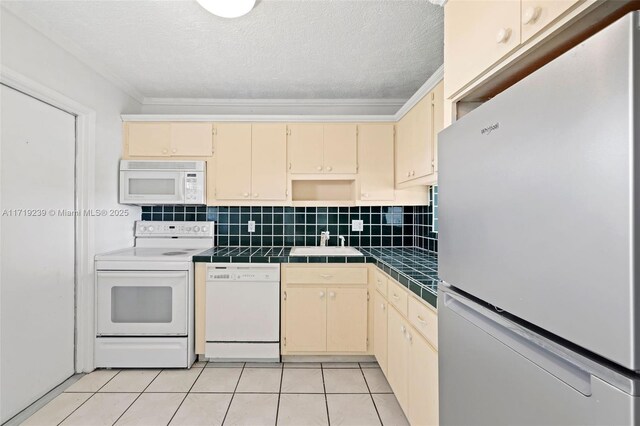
[{"x": 324, "y": 251}]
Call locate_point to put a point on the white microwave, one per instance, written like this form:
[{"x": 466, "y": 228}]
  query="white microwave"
[{"x": 148, "y": 182}]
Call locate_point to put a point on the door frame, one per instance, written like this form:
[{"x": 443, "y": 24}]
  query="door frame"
[{"x": 84, "y": 201}]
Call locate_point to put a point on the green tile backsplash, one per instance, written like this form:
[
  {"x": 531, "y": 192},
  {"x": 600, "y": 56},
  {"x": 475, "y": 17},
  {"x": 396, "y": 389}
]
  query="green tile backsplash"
[{"x": 398, "y": 226}]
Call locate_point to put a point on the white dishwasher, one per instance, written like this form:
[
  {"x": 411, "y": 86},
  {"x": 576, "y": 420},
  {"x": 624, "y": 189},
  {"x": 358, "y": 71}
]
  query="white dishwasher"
[{"x": 243, "y": 312}]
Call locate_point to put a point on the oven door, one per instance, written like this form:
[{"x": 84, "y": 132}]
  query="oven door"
[
  {"x": 142, "y": 303},
  {"x": 152, "y": 187}
]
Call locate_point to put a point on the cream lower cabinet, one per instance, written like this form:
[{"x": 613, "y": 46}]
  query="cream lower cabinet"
[
  {"x": 305, "y": 310},
  {"x": 325, "y": 310},
  {"x": 380, "y": 318},
  {"x": 405, "y": 347}
]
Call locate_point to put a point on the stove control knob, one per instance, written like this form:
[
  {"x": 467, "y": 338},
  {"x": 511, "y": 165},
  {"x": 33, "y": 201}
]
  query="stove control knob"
[
  {"x": 205, "y": 229},
  {"x": 143, "y": 229},
  {"x": 196, "y": 229},
  {"x": 188, "y": 229},
  {"x": 151, "y": 229}
]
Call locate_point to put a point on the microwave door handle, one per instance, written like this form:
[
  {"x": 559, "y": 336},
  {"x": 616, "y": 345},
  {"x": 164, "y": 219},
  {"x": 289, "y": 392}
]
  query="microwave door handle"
[{"x": 181, "y": 188}]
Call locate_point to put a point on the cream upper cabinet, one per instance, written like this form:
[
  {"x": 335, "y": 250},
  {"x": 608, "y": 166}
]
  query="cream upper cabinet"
[
  {"x": 398, "y": 357},
  {"x": 477, "y": 34},
  {"x": 305, "y": 325},
  {"x": 169, "y": 139},
  {"x": 322, "y": 148},
  {"x": 380, "y": 330},
  {"x": 306, "y": 148},
  {"x": 347, "y": 316},
  {"x": 375, "y": 162},
  {"x": 422, "y": 142},
  {"x": 340, "y": 148},
  {"x": 233, "y": 161},
  {"x": 146, "y": 139},
  {"x": 437, "y": 110},
  {"x": 191, "y": 139},
  {"x": 404, "y": 137},
  {"x": 269, "y": 161},
  {"x": 537, "y": 14},
  {"x": 423, "y": 382}
]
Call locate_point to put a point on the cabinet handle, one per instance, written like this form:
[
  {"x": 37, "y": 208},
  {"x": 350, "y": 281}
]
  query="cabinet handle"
[
  {"x": 164, "y": 151},
  {"x": 326, "y": 276},
  {"x": 319, "y": 168},
  {"x": 255, "y": 195},
  {"x": 332, "y": 294},
  {"x": 409, "y": 337},
  {"x": 174, "y": 150},
  {"x": 422, "y": 320},
  {"x": 413, "y": 173},
  {"x": 395, "y": 296},
  {"x": 503, "y": 35},
  {"x": 245, "y": 195},
  {"x": 329, "y": 168},
  {"x": 382, "y": 306},
  {"x": 321, "y": 294},
  {"x": 365, "y": 195},
  {"x": 408, "y": 174},
  {"x": 531, "y": 15},
  {"x": 403, "y": 329}
]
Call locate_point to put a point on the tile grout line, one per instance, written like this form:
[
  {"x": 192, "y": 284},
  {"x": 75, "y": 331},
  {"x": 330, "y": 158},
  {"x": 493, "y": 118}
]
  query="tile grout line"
[
  {"x": 279, "y": 393},
  {"x": 234, "y": 393},
  {"x": 373, "y": 401},
  {"x": 187, "y": 394},
  {"x": 326, "y": 401},
  {"x": 137, "y": 397},
  {"x": 92, "y": 395}
]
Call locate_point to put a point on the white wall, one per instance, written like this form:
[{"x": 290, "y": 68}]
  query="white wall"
[{"x": 30, "y": 53}]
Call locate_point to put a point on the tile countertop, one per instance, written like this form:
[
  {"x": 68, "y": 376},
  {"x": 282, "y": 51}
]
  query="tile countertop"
[{"x": 415, "y": 268}]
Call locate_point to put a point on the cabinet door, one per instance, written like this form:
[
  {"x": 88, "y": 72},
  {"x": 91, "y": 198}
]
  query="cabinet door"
[
  {"x": 380, "y": 330},
  {"x": 305, "y": 147},
  {"x": 375, "y": 161},
  {"x": 305, "y": 328},
  {"x": 398, "y": 357},
  {"x": 404, "y": 136},
  {"x": 233, "y": 161},
  {"x": 191, "y": 139},
  {"x": 340, "y": 148},
  {"x": 477, "y": 34},
  {"x": 537, "y": 14},
  {"x": 347, "y": 313},
  {"x": 437, "y": 106},
  {"x": 423, "y": 383},
  {"x": 422, "y": 142},
  {"x": 146, "y": 139},
  {"x": 269, "y": 161}
]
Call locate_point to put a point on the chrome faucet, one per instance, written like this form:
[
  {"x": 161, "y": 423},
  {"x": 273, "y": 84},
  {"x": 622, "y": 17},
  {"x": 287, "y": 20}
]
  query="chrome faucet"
[
  {"x": 341, "y": 238},
  {"x": 324, "y": 238}
]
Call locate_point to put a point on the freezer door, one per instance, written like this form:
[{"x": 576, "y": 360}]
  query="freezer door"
[
  {"x": 491, "y": 375},
  {"x": 536, "y": 192}
]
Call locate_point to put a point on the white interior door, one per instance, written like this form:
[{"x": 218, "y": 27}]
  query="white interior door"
[{"x": 37, "y": 159}]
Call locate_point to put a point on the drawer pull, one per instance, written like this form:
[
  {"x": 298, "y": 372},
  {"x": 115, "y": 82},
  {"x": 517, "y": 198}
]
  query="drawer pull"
[
  {"x": 382, "y": 306},
  {"x": 503, "y": 35},
  {"x": 403, "y": 329},
  {"x": 422, "y": 320},
  {"x": 395, "y": 296},
  {"x": 332, "y": 294},
  {"x": 321, "y": 294},
  {"x": 531, "y": 15},
  {"x": 326, "y": 276}
]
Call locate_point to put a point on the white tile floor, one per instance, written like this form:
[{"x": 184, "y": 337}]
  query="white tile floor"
[{"x": 248, "y": 394}]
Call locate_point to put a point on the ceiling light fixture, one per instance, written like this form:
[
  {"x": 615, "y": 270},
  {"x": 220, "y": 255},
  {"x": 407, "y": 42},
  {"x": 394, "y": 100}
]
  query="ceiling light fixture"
[{"x": 228, "y": 8}]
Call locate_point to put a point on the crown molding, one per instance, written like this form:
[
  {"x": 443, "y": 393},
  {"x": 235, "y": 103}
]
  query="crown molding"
[
  {"x": 428, "y": 86},
  {"x": 261, "y": 118},
  {"x": 76, "y": 51},
  {"x": 273, "y": 102}
]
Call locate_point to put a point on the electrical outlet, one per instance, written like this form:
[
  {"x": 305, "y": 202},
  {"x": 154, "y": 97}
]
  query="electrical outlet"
[
  {"x": 357, "y": 225},
  {"x": 251, "y": 226}
]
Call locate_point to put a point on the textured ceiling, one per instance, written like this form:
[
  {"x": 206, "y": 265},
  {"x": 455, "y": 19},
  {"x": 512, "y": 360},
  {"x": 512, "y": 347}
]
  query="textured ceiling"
[{"x": 283, "y": 49}]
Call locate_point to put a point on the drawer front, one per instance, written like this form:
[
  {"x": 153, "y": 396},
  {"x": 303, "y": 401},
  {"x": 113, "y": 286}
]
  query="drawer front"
[
  {"x": 398, "y": 296},
  {"x": 381, "y": 282},
  {"x": 326, "y": 275},
  {"x": 424, "y": 320}
]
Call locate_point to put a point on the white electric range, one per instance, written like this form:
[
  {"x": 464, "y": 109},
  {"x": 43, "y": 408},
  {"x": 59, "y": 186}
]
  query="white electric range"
[{"x": 145, "y": 297}]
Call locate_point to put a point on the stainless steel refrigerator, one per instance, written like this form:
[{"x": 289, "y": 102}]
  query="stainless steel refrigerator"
[{"x": 539, "y": 309}]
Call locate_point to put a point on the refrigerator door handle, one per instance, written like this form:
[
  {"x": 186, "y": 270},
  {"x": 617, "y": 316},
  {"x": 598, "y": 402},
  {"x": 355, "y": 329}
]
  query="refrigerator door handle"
[{"x": 562, "y": 366}]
